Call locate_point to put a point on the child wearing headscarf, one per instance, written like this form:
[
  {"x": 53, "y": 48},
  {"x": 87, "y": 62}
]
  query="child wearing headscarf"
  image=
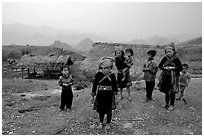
[
  {"x": 104, "y": 91},
  {"x": 169, "y": 83}
]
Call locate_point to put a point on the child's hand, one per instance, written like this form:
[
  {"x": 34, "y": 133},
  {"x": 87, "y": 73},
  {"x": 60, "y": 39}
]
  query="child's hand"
[
  {"x": 64, "y": 84},
  {"x": 169, "y": 68}
]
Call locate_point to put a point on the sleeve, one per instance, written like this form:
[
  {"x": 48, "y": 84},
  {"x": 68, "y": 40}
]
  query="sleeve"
[
  {"x": 161, "y": 63},
  {"x": 189, "y": 79},
  {"x": 114, "y": 83},
  {"x": 95, "y": 84},
  {"x": 154, "y": 68},
  {"x": 71, "y": 80},
  {"x": 60, "y": 81},
  {"x": 189, "y": 76},
  {"x": 179, "y": 67}
]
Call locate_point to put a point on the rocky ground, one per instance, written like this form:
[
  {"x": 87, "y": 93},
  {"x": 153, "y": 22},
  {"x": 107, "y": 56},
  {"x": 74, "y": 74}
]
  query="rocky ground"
[{"x": 30, "y": 107}]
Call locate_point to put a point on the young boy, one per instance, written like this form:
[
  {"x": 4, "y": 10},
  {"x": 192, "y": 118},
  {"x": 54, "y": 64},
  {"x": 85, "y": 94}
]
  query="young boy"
[
  {"x": 65, "y": 81},
  {"x": 150, "y": 69},
  {"x": 104, "y": 90},
  {"x": 171, "y": 67},
  {"x": 184, "y": 80}
]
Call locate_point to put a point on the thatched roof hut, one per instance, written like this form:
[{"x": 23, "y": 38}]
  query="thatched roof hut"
[{"x": 43, "y": 61}]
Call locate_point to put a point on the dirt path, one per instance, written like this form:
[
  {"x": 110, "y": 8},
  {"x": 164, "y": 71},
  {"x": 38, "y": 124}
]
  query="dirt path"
[{"x": 37, "y": 113}]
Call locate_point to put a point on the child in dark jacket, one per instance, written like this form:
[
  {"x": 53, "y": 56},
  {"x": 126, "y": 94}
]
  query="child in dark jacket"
[
  {"x": 169, "y": 83},
  {"x": 123, "y": 77},
  {"x": 150, "y": 69},
  {"x": 104, "y": 90},
  {"x": 65, "y": 81}
]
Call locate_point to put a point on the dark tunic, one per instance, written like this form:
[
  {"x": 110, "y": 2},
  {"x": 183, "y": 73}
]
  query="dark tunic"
[
  {"x": 121, "y": 65},
  {"x": 105, "y": 99},
  {"x": 166, "y": 76}
]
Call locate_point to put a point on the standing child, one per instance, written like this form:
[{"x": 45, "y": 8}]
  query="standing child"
[
  {"x": 122, "y": 67},
  {"x": 184, "y": 80},
  {"x": 126, "y": 76},
  {"x": 171, "y": 67},
  {"x": 65, "y": 81},
  {"x": 104, "y": 90},
  {"x": 150, "y": 69}
]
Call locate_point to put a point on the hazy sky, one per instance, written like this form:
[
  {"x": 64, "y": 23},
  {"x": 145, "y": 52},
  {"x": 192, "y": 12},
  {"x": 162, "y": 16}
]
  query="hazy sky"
[{"x": 144, "y": 18}]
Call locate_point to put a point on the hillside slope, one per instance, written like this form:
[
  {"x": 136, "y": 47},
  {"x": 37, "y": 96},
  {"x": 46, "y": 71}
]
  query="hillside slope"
[
  {"x": 65, "y": 46},
  {"x": 107, "y": 49},
  {"x": 85, "y": 45},
  {"x": 12, "y": 50}
]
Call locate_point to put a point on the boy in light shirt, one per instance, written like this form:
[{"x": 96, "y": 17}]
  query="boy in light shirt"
[{"x": 184, "y": 80}]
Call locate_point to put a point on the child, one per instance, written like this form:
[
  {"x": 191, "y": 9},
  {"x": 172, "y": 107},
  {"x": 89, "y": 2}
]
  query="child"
[
  {"x": 150, "y": 69},
  {"x": 171, "y": 67},
  {"x": 126, "y": 75},
  {"x": 104, "y": 90},
  {"x": 122, "y": 68},
  {"x": 65, "y": 81},
  {"x": 184, "y": 80}
]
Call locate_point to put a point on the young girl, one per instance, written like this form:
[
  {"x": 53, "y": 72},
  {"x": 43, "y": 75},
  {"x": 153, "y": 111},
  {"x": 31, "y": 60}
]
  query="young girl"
[
  {"x": 171, "y": 67},
  {"x": 122, "y": 68},
  {"x": 150, "y": 69},
  {"x": 126, "y": 76},
  {"x": 65, "y": 81},
  {"x": 104, "y": 90}
]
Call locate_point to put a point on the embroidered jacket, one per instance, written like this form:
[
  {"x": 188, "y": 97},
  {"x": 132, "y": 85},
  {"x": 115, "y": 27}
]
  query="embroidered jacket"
[{"x": 150, "y": 69}]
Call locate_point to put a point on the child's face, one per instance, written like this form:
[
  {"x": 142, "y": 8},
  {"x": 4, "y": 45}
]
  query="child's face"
[
  {"x": 127, "y": 54},
  {"x": 106, "y": 70},
  {"x": 65, "y": 71},
  {"x": 169, "y": 52},
  {"x": 149, "y": 56},
  {"x": 185, "y": 69},
  {"x": 118, "y": 53}
]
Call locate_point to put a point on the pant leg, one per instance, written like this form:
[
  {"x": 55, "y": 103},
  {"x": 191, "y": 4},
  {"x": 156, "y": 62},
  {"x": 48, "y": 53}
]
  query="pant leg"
[
  {"x": 101, "y": 116},
  {"x": 172, "y": 99},
  {"x": 149, "y": 89},
  {"x": 182, "y": 88},
  {"x": 63, "y": 100},
  {"x": 69, "y": 100},
  {"x": 167, "y": 98},
  {"x": 109, "y": 117}
]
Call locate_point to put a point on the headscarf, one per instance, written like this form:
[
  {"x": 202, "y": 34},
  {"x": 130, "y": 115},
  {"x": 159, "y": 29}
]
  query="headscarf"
[
  {"x": 106, "y": 62},
  {"x": 170, "y": 46}
]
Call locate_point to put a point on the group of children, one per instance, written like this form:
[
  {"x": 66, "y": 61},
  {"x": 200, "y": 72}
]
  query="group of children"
[{"x": 174, "y": 78}]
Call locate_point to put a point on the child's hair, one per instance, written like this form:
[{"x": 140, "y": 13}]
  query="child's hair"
[
  {"x": 122, "y": 53},
  {"x": 152, "y": 53},
  {"x": 65, "y": 66},
  {"x": 130, "y": 51},
  {"x": 185, "y": 65}
]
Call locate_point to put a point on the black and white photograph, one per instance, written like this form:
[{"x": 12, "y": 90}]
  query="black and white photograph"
[{"x": 101, "y": 67}]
